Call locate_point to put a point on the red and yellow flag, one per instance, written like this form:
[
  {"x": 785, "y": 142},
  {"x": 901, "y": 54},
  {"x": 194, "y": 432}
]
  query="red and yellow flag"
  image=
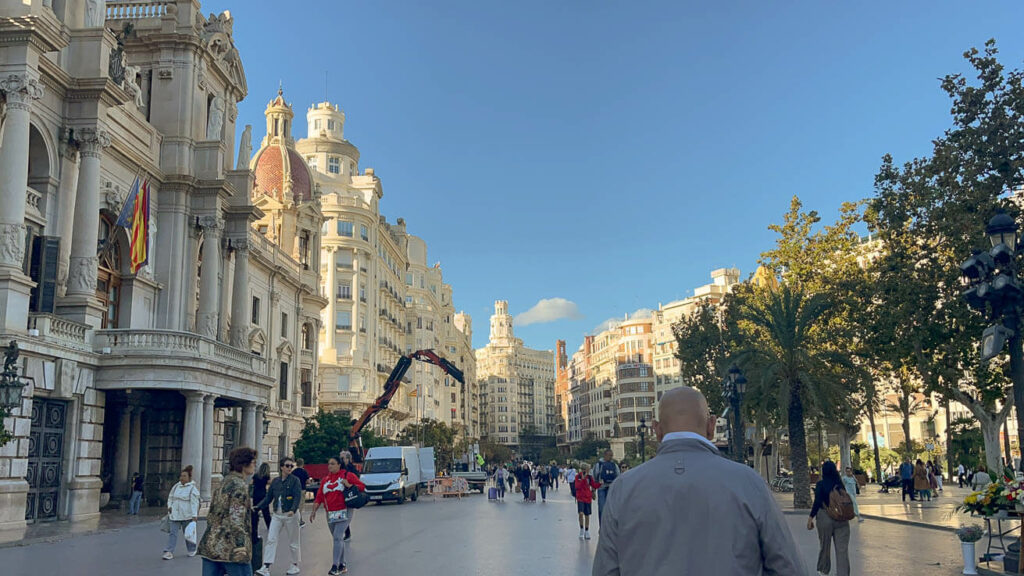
[{"x": 134, "y": 218}]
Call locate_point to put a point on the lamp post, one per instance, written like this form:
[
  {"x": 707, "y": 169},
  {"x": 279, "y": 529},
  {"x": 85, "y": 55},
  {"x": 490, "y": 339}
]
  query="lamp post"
[
  {"x": 992, "y": 288},
  {"x": 736, "y": 386},
  {"x": 11, "y": 384},
  {"x": 643, "y": 432}
]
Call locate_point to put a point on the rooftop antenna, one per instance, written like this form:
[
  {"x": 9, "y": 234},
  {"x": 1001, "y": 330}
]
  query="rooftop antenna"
[
  {"x": 280, "y": 87},
  {"x": 325, "y": 86}
]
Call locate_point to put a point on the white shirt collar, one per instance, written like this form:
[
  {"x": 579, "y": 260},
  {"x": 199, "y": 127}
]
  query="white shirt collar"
[{"x": 687, "y": 436}]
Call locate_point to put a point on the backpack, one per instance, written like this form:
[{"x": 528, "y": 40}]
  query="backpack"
[
  {"x": 607, "y": 473},
  {"x": 840, "y": 505}
]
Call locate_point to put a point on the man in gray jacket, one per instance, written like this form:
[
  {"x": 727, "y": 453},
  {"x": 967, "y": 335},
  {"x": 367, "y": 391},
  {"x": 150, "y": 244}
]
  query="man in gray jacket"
[{"x": 688, "y": 511}]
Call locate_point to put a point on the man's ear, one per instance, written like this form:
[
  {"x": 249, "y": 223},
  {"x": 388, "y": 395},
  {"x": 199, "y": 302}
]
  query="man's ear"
[
  {"x": 710, "y": 432},
  {"x": 656, "y": 426}
]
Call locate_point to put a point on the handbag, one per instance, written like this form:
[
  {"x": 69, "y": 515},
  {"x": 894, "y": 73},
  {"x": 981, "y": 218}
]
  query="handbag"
[
  {"x": 355, "y": 498},
  {"x": 337, "y": 516},
  {"x": 165, "y": 523}
]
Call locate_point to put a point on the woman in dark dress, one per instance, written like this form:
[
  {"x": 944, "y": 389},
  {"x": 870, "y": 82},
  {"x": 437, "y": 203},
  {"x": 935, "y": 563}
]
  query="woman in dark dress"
[{"x": 260, "y": 481}]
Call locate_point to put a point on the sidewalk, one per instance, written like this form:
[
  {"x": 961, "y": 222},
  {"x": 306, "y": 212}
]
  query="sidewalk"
[{"x": 56, "y": 531}]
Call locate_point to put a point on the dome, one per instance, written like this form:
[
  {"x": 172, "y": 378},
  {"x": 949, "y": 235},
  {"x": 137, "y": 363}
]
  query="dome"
[{"x": 279, "y": 168}]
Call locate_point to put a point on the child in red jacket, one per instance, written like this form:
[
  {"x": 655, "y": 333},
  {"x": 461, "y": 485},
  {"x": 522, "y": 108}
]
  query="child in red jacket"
[{"x": 585, "y": 484}]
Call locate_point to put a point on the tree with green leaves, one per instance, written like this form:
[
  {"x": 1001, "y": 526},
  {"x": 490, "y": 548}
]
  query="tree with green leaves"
[
  {"x": 326, "y": 434},
  {"x": 495, "y": 453},
  {"x": 702, "y": 352},
  {"x": 432, "y": 433},
  {"x": 929, "y": 215},
  {"x": 590, "y": 448}
]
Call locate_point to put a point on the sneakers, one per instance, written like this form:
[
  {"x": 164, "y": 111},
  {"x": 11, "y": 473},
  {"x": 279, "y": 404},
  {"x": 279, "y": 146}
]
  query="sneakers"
[
  {"x": 581, "y": 533},
  {"x": 343, "y": 569},
  {"x": 264, "y": 571},
  {"x": 347, "y": 538},
  {"x": 333, "y": 571},
  {"x": 586, "y": 534},
  {"x": 294, "y": 569},
  {"x": 192, "y": 553},
  {"x": 168, "y": 556}
]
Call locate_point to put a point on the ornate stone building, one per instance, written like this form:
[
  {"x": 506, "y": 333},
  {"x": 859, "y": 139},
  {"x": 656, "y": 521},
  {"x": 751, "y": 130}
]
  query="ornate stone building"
[
  {"x": 384, "y": 300},
  {"x": 517, "y": 384},
  {"x": 206, "y": 346}
]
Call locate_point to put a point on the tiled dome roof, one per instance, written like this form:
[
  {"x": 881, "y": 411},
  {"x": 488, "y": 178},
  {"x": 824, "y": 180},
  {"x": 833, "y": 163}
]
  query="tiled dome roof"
[{"x": 270, "y": 174}]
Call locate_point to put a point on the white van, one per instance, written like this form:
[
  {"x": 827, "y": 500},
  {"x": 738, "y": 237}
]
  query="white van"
[{"x": 396, "y": 472}]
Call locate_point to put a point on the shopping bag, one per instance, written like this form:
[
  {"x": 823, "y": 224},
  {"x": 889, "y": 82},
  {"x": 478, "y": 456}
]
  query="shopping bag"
[
  {"x": 165, "y": 523},
  {"x": 190, "y": 533}
]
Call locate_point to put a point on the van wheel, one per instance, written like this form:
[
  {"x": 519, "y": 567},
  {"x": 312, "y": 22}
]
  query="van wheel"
[{"x": 415, "y": 494}]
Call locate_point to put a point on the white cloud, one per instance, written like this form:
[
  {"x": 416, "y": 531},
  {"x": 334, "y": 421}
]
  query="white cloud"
[
  {"x": 549, "y": 310},
  {"x": 610, "y": 323}
]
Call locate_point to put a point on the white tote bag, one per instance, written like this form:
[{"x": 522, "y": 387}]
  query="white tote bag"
[{"x": 190, "y": 533}]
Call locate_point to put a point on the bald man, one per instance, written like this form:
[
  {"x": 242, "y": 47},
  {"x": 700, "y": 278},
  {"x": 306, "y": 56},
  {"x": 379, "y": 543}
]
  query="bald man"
[{"x": 689, "y": 511}]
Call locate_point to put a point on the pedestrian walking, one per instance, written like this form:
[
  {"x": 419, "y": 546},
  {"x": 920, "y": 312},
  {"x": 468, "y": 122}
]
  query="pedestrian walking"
[
  {"x": 554, "y": 474},
  {"x": 511, "y": 479},
  {"x": 303, "y": 476},
  {"x": 980, "y": 479},
  {"x": 585, "y": 485},
  {"x": 226, "y": 546},
  {"x": 829, "y": 529},
  {"x": 136, "y": 500},
  {"x": 921, "y": 483},
  {"x": 182, "y": 508},
  {"x": 260, "y": 482},
  {"x": 688, "y": 510},
  {"x": 960, "y": 472},
  {"x": 850, "y": 483},
  {"x": 605, "y": 472},
  {"x": 570, "y": 479},
  {"x": 332, "y": 497},
  {"x": 523, "y": 478},
  {"x": 282, "y": 499},
  {"x": 543, "y": 482},
  {"x": 347, "y": 464},
  {"x": 907, "y": 480},
  {"x": 499, "y": 482}
]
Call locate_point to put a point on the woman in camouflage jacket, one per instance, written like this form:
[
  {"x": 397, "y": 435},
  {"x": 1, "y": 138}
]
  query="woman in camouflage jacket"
[{"x": 226, "y": 546}]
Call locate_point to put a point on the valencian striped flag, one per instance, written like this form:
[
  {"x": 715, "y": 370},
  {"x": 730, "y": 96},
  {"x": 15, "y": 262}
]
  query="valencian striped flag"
[{"x": 134, "y": 218}]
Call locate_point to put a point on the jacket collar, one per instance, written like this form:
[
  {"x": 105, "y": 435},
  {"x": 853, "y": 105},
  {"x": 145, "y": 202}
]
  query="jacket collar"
[{"x": 687, "y": 445}]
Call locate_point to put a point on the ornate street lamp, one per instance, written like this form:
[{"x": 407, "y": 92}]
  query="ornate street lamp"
[
  {"x": 266, "y": 426},
  {"x": 643, "y": 432},
  {"x": 11, "y": 384},
  {"x": 736, "y": 387}
]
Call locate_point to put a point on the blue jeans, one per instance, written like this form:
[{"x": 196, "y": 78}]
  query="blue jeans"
[
  {"x": 602, "y": 495},
  {"x": 543, "y": 492},
  {"x": 135, "y": 502},
  {"x": 172, "y": 537},
  {"x": 211, "y": 568}
]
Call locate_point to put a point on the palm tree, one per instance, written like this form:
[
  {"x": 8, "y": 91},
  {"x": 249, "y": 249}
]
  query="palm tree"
[{"x": 783, "y": 330}]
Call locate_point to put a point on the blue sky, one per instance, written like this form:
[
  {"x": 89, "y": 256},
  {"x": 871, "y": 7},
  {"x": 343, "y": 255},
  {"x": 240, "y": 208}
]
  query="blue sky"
[{"x": 611, "y": 154}]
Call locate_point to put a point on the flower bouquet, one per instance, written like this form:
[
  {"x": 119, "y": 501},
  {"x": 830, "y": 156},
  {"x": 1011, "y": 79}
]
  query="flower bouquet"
[
  {"x": 970, "y": 533},
  {"x": 987, "y": 502}
]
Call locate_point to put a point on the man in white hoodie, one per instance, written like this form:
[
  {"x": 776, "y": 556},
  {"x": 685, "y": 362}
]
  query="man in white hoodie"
[{"x": 182, "y": 509}]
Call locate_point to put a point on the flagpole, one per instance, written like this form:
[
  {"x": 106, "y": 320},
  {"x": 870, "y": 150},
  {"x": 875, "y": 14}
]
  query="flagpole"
[{"x": 109, "y": 241}]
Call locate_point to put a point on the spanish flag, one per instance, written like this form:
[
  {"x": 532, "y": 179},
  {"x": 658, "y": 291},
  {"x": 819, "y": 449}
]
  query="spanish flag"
[{"x": 134, "y": 218}]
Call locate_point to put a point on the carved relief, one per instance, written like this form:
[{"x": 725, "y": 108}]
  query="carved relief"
[
  {"x": 215, "y": 126},
  {"x": 12, "y": 245},
  {"x": 82, "y": 275},
  {"x": 208, "y": 324},
  {"x": 95, "y": 13},
  {"x": 132, "y": 76},
  {"x": 244, "y": 149},
  {"x": 201, "y": 73},
  {"x": 92, "y": 141}
]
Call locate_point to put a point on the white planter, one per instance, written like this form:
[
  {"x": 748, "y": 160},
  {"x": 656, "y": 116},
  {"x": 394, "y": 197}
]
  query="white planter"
[{"x": 969, "y": 558}]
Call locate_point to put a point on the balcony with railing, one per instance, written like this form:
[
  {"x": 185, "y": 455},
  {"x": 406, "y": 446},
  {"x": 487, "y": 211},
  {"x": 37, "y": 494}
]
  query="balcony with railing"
[
  {"x": 58, "y": 330},
  {"x": 153, "y": 344},
  {"x": 136, "y": 9}
]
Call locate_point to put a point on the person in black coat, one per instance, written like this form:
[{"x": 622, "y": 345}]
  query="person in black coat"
[
  {"x": 260, "y": 481},
  {"x": 830, "y": 529}
]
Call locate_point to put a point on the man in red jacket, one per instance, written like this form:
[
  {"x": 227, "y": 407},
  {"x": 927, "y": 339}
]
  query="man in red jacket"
[{"x": 585, "y": 484}]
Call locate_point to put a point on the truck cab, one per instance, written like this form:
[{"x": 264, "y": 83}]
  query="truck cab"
[{"x": 394, "y": 473}]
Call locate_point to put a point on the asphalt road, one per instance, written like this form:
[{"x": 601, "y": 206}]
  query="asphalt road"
[{"x": 453, "y": 537}]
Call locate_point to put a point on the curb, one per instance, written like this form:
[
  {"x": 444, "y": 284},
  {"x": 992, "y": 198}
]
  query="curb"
[
  {"x": 916, "y": 524},
  {"x": 61, "y": 537}
]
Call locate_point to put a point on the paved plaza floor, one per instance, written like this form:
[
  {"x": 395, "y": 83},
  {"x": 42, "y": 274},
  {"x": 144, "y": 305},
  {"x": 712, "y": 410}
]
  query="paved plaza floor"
[{"x": 459, "y": 537}]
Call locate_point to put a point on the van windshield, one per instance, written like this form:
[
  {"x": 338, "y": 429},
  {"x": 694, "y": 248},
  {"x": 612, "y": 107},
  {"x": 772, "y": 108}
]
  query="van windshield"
[{"x": 383, "y": 465}]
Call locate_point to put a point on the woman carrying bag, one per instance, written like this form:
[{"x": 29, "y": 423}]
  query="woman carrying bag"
[
  {"x": 182, "y": 510},
  {"x": 331, "y": 496}
]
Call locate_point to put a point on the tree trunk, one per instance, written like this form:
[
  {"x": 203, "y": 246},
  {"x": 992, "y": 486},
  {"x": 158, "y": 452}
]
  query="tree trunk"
[
  {"x": 798, "y": 449},
  {"x": 908, "y": 447},
  {"x": 874, "y": 443},
  {"x": 990, "y": 432},
  {"x": 845, "y": 457},
  {"x": 949, "y": 444},
  {"x": 1008, "y": 456}
]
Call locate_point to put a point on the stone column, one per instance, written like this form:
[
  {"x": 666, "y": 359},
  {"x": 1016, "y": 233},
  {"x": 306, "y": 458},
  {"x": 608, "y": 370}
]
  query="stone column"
[
  {"x": 332, "y": 274},
  {"x": 260, "y": 415},
  {"x": 121, "y": 472},
  {"x": 135, "y": 444},
  {"x": 81, "y": 288},
  {"x": 249, "y": 426},
  {"x": 192, "y": 437},
  {"x": 356, "y": 279},
  {"x": 67, "y": 196},
  {"x": 20, "y": 90},
  {"x": 209, "y": 314},
  {"x": 240, "y": 302},
  {"x": 226, "y": 287},
  {"x": 205, "y": 476}
]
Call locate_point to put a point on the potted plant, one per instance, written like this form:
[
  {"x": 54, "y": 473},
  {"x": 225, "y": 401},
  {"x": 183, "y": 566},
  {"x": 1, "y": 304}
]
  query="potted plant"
[{"x": 968, "y": 535}]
